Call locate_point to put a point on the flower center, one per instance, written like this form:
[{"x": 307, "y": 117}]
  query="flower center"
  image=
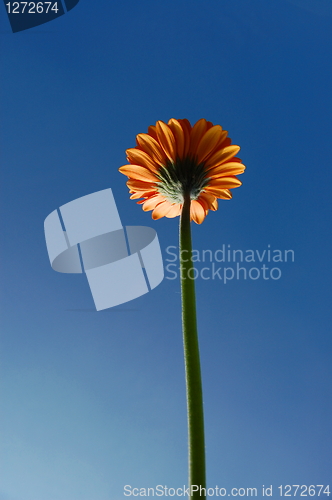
[{"x": 184, "y": 176}]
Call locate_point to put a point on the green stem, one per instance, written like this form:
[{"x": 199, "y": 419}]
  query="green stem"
[{"x": 192, "y": 362}]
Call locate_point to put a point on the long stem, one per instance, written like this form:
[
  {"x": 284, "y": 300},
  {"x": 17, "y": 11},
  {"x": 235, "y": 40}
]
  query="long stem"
[{"x": 197, "y": 479}]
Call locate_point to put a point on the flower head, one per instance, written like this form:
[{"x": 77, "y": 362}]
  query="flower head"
[{"x": 174, "y": 160}]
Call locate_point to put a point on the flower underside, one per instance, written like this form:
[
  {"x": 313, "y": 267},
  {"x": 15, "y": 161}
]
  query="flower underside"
[
  {"x": 175, "y": 160},
  {"x": 184, "y": 176}
]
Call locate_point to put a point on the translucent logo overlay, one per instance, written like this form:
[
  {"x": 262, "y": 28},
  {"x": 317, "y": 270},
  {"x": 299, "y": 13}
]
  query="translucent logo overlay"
[{"x": 121, "y": 263}]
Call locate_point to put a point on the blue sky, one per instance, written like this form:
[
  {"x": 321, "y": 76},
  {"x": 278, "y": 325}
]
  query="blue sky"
[{"x": 95, "y": 401}]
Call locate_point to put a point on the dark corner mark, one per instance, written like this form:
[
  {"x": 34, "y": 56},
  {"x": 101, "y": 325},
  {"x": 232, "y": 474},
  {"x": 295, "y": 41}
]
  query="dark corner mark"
[
  {"x": 26, "y": 15},
  {"x": 70, "y": 4}
]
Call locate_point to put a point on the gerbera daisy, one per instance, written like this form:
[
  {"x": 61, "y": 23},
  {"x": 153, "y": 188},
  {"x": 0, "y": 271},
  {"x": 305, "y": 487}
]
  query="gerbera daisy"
[
  {"x": 176, "y": 169},
  {"x": 175, "y": 160}
]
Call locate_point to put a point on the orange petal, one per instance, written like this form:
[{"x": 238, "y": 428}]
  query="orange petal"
[
  {"x": 223, "y": 144},
  {"x": 152, "y": 202},
  {"x": 226, "y": 169},
  {"x": 225, "y": 182},
  {"x": 140, "y": 185},
  {"x": 150, "y": 146},
  {"x": 220, "y": 144},
  {"x": 197, "y": 212},
  {"x": 222, "y": 155},
  {"x": 196, "y": 135},
  {"x": 203, "y": 202},
  {"x": 152, "y": 132},
  {"x": 226, "y": 142},
  {"x": 208, "y": 142},
  {"x": 186, "y": 127},
  {"x": 138, "y": 172},
  {"x": 166, "y": 139},
  {"x": 139, "y": 157},
  {"x": 224, "y": 194},
  {"x": 142, "y": 194},
  {"x": 161, "y": 210},
  {"x": 236, "y": 159},
  {"x": 135, "y": 196},
  {"x": 175, "y": 211},
  {"x": 185, "y": 124},
  {"x": 178, "y": 133},
  {"x": 207, "y": 200}
]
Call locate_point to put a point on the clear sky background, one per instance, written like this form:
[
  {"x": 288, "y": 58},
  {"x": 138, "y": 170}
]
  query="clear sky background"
[{"x": 92, "y": 401}]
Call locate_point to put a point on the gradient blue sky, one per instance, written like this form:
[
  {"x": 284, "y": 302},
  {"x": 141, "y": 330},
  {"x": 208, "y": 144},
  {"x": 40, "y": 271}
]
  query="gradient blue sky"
[{"x": 93, "y": 401}]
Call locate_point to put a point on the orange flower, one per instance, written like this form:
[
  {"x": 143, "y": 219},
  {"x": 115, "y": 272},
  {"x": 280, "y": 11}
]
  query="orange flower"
[{"x": 175, "y": 159}]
